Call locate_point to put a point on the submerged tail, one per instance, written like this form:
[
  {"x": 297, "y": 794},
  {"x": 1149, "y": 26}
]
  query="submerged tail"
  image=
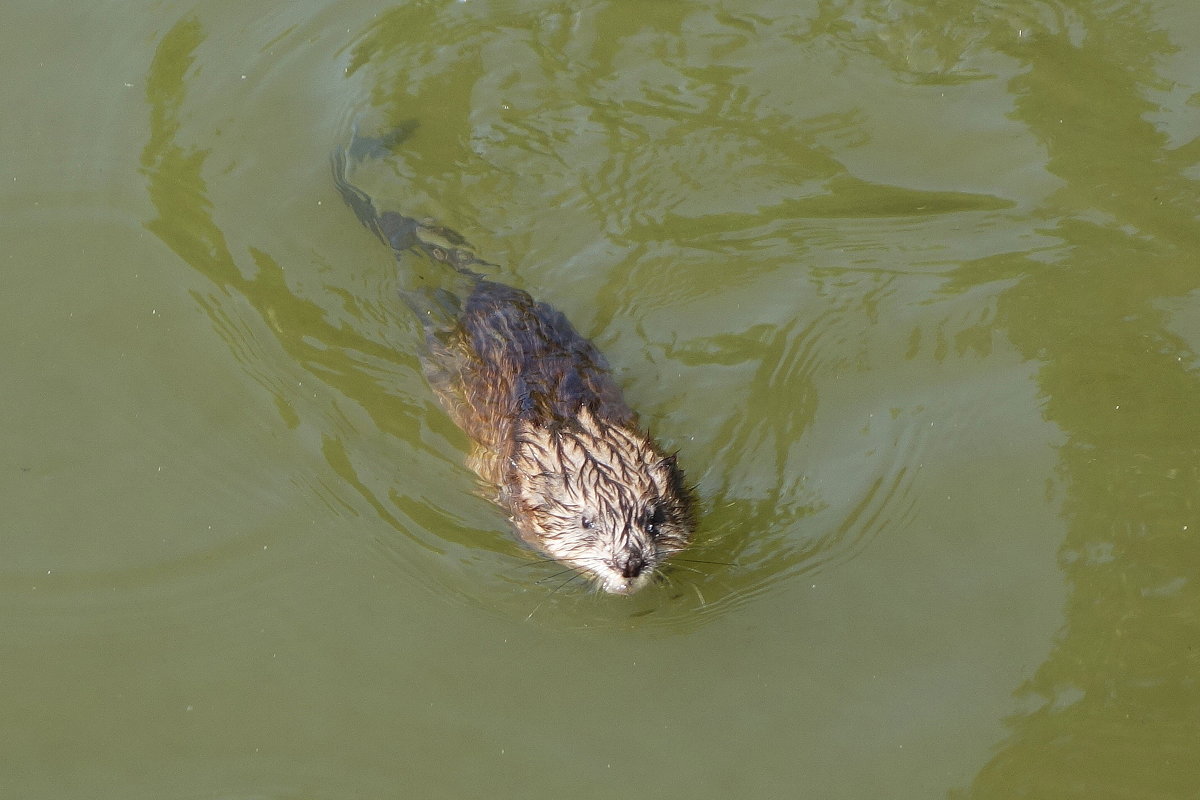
[{"x": 396, "y": 230}]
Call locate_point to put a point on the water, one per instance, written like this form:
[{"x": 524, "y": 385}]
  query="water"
[{"x": 912, "y": 289}]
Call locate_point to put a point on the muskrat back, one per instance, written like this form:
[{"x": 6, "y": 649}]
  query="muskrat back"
[{"x": 580, "y": 480}]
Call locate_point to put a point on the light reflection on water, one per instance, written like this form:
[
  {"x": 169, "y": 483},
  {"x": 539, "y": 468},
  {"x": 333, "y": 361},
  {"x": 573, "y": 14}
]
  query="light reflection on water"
[
  {"x": 813, "y": 457},
  {"x": 910, "y": 289}
]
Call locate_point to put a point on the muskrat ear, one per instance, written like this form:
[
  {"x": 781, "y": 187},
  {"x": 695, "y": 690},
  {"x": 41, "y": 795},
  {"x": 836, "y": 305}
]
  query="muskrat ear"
[{"x": 674, "y": 477}]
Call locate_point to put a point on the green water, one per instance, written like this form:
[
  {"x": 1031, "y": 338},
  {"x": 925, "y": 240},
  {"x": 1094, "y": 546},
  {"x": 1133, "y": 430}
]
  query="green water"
[{"x": 914, "y": 289}]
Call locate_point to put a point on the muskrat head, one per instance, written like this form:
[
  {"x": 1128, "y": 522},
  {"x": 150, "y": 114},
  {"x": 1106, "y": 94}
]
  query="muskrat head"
[{"x": 600, "y": 498}]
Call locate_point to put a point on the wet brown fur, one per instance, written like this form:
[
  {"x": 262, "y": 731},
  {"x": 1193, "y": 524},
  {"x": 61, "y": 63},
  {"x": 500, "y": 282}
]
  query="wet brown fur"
[{"x": 580, "y": 480}]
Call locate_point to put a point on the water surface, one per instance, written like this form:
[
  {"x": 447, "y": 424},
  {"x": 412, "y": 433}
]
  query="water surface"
[{"x": 913, "y": 289}]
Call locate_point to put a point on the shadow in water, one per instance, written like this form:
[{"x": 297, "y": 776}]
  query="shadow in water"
[{"x": 1117, "y": 704}]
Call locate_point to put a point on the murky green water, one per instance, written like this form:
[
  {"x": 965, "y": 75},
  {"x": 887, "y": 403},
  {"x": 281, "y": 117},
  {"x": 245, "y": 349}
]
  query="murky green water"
[{"x": 914, "y": 288}]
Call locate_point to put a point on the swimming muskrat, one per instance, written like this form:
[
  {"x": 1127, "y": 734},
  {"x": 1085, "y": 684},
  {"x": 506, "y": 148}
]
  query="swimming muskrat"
[{"x": 578, "y": 477}]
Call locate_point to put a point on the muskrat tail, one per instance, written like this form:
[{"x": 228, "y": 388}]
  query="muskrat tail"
[
  {"x": 358, "y": 200},
  {"x": 396, "y": 230}
]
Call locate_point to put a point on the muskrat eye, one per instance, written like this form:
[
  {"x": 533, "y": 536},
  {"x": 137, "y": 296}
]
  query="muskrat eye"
[
  {"x": 652, "y": 520},
  {"x": 585, "y": 522}
]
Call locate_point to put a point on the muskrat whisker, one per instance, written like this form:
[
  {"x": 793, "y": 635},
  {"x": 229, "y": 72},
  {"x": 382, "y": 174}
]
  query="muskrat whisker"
[
  {"x": 554, "y": 575},
  {"x": 554, "y": 591},
  {"x": 677, "y": 559},
  {"x": 537, "y": 562},
  {"x": 690, "y": 569},
  {"x": 575, "y": 575}
]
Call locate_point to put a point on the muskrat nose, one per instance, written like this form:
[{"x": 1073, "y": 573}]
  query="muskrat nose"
[{"x": 630, "y": 565}]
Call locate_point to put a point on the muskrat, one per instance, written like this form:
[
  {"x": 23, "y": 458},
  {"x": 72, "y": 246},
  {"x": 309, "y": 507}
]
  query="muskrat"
[{"x": 581, "y": 481}]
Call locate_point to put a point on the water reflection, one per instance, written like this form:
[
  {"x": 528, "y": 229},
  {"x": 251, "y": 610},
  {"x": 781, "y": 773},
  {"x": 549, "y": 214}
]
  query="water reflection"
[
  {"x": 641, "y": 172},
  {"x": 1116, "y": 702},
  {"x": 335, "y": 339},
  {"x": 627, "y": 180},
  {"x": 911, "y": 286}
]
